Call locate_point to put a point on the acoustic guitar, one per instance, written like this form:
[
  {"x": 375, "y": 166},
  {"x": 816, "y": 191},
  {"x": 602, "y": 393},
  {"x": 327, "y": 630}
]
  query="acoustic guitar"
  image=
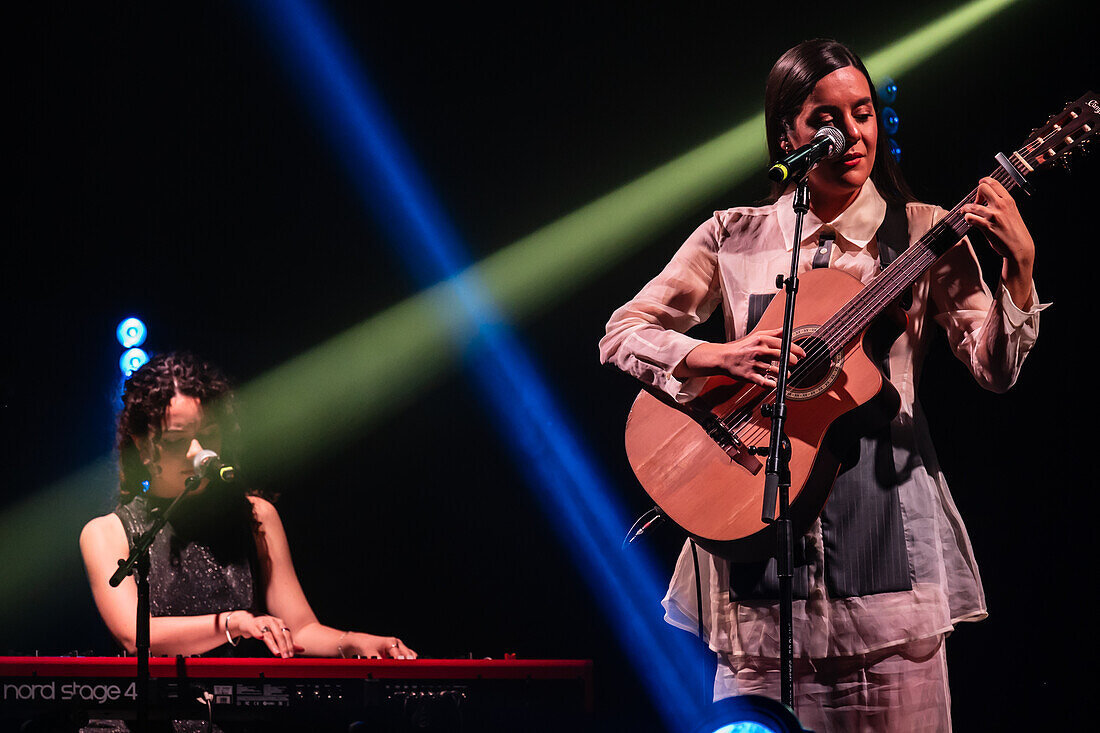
[{"x": 702, "y": 462}]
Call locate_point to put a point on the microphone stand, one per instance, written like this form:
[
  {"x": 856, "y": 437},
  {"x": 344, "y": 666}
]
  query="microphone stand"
[
  {"x": 138, "y": 564},
  {"x": 777, "y": 481}
]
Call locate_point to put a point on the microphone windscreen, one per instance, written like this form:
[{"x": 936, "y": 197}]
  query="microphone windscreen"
[
  {"x": 202, "y": 457},
  {"x": 836, "y": 139}
]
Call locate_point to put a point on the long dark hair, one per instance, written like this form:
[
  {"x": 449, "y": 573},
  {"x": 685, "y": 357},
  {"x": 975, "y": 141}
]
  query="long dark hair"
[
  {"x": 793, "y": 79},
  {"x": 145, "y": 400}
]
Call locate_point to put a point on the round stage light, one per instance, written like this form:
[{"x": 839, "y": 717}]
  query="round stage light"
[
  {"x": 895, "y": 149},
  {"x": 749, "y": 714},
  {"x": 890, "y": 121},
  {"x": 131, "y": 332},
  {"x": 131, "y": 361},
  {"x": 888, "y": 90}
]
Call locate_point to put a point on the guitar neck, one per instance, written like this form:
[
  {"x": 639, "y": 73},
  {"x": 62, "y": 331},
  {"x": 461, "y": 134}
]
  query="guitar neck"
[{"x": 888, "y": 286}]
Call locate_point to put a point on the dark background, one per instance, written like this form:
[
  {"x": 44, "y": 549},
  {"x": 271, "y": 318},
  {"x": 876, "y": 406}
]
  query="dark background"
[{"x": 164, "y": 165}]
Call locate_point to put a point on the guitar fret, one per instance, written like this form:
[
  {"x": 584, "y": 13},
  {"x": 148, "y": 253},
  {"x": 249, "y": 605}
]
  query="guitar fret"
[
  {"x": 854, "y": 317},
  {"x": 957, "y": 224}
]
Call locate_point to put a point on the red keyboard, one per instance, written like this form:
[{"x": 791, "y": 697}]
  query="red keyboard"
[{"x": 457, "y": 694}]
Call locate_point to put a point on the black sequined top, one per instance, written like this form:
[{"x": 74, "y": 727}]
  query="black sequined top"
[{"x": 204, "y": 560}]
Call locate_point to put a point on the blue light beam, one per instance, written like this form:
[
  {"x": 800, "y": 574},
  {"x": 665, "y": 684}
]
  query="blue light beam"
[{"x": 569, "y": 482}]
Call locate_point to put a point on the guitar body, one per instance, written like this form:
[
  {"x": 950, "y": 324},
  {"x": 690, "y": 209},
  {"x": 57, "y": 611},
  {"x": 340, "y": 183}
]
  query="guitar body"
[{"x": 714, "y": 490}]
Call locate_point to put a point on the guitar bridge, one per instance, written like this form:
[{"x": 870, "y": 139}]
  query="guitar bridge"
[{"x": 731, "y": 444}]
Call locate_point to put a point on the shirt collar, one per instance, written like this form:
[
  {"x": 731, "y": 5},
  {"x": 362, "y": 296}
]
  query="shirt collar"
[{"x": 857, "y": 224}]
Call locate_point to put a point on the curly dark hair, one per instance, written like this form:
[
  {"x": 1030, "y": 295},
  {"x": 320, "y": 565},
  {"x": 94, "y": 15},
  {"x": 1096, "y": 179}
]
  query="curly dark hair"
[
  {"x": 793, "y": 79},
  {"x": 145, "y": 401}
]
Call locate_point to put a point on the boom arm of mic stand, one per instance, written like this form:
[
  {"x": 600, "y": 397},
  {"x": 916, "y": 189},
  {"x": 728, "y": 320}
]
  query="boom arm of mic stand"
[
  {"x": 145, "y": 540},
  {"x": 138, "y": 563}
]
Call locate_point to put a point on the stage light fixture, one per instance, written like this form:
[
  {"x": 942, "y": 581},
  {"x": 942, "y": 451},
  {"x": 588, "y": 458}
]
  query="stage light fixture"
[
  {"x": 894, "y": 148},
  {"x": 888, "y": 91},
  {"x": 131, "y": 332},
  {"x": 749, "y": 714},
  {"x": 131, "y": 361},
  {"x": 890, "y": 121}
]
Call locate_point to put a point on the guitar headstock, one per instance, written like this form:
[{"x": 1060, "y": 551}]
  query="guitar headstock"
[{"x": 1067, "y": 133}]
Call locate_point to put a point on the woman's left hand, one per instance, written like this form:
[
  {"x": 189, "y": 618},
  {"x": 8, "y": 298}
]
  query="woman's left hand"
[
  {"x": 377, "y": 647},
  {"x": 995, "y": 215}
]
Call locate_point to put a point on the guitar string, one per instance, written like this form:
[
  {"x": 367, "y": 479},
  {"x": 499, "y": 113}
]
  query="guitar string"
[
  {"x": 869, "y": 300},
  {"x": 835, "y": 334},
  {"x": 839, "y": 329},
  {"x": 919, "y": 262},
  {"x": 902, "y": 273},
  {"x": 859, "y": 306},
  {"x": 878, "y": 294}
]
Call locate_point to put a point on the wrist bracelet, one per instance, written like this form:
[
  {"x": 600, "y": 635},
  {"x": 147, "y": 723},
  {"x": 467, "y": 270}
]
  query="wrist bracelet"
[
  {"x": 339, "y": 644},
  {"x": 228, "y": 637}
]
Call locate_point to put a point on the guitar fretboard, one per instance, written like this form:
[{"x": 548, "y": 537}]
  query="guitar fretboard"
[{"x": 851, "y": 320}]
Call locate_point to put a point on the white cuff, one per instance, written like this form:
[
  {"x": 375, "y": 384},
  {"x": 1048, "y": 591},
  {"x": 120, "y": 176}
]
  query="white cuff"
[{"x": 1017, "y": 317}]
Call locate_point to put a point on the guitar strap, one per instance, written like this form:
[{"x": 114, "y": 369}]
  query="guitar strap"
[
  {"x": 893, "y": 239},
  {"x": 862, "y": 529}
]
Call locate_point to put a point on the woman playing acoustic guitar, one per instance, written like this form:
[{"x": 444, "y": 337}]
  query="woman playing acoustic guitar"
[{"x": 887, "y": 570}]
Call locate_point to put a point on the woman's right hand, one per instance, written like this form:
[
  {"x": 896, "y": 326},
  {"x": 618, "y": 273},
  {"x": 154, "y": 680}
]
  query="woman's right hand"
[
  {"x": 753, "y": 358},
  {"x": 270, "y": 629},
  {"x": 379, "y": 647}
]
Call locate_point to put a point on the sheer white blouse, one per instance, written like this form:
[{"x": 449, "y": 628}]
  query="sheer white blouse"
[{"x": 738, "y": 253}]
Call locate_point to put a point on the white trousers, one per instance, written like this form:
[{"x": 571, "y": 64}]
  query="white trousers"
[{"x": 901, "y": 689}]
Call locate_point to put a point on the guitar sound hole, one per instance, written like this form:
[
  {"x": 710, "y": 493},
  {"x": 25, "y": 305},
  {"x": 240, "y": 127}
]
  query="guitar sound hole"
[{"x": 814, "y": 368}]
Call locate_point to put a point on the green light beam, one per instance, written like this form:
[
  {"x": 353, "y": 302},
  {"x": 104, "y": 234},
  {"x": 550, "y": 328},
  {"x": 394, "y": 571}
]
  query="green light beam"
[
  {"x": 40, "y": 564},
  {"x": 348, "y": 383},
  {"x": 912, "y": 50}
]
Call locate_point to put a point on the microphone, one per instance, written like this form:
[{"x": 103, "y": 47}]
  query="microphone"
[
  {"x": 208, "y": 465},
  {"x": 827, "y": 143}
]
